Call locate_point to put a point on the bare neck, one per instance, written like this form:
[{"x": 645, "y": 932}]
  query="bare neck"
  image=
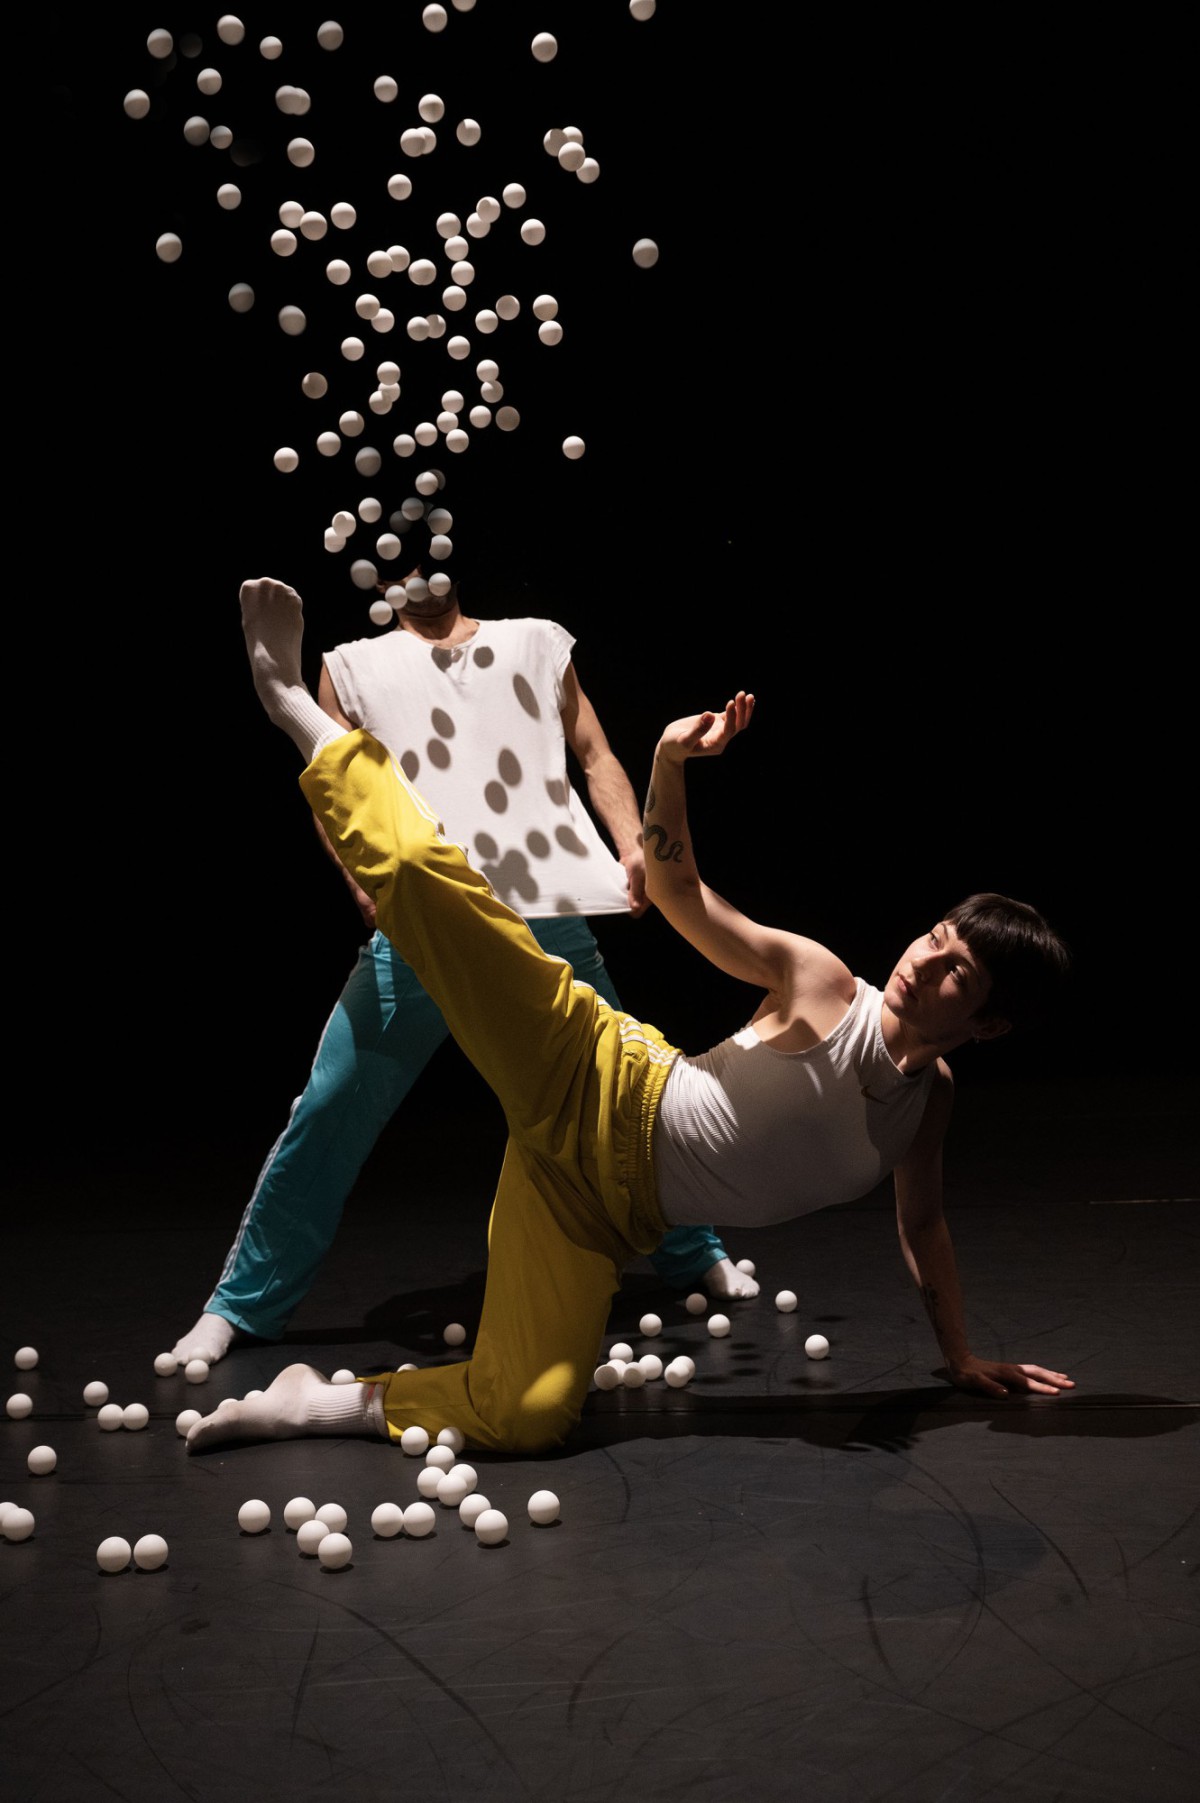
[{"x": 449, "y": 627}]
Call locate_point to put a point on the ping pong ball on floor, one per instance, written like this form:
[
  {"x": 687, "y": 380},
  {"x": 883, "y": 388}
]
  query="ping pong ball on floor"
[
  {"x": 455, "y": 1333},
  {"x": 491, "y": 1527},
  {"x": 111, "y": 1416},
  {"x": 114, "y": 1553},
  {"x": 440, "y": 1456},
  {"x": 718, "y": 1326},
  {"x": 786, "y": 1302},
  {"x": 414, "y": 1441},
  {"x": 19, "y": 1405},
  {"x": 387, "y": 1520},
  {"x": 645, "y": 253},
  {"x": 254, "y": 1516},
  {"x": 333, "y": 1515},
  {"x": 633, "y": 1377},
  {"x": 452, "y": 1488},
  {"x": 42, "y": 1460},
  {"x": 428, "y": 1479},
  {"x": 186, "y": 1418},
  {"x": 418, "y": 1520},
  {"x": 544, "y": 1507},
  {"x": 677, "y": 1375},
  {"x": 18, "y": 1524},
  {"x": 298, "y": 1511},
  {"x": 817, "y": 1346},
  {"x": 344, "y": 1376},
  {"x": 453, "y": 1438},
  {"x": 651, "y": 1366},
  {"x": 335, "y": 1552},
  {"x": 696, "y": 1303},
  {"x": 606, "y": 1377},
  {"x": 471, "y": 1508},
  {"x": 468, "y": 1473},
  {"x": 196, "y": 1371},
  {"x": 25, "y": 1358},
  {"x": 6, "y": 1509},
  {"x": 309, "y": 1536},
  {"x": 746, "y": 1266},
  {"x": 150, "y": 1552},
  {"x": 166, "y": 1364},
  {"x": 95, "y": 1393},
  {"x": 650, "y": 1325},
  {"x": 134, "y": 1416},
  {"x": 621, "y": 1351}
]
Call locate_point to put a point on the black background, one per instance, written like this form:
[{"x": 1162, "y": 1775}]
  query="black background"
[{"x": 889, "y": 436}]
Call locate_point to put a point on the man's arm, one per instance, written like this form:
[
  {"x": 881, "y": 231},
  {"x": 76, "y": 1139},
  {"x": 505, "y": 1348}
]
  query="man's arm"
[
  {"x": 929, "y": 1254},
  {"x": 609, "y": 789},
  {"x": 327, "y": 698}
]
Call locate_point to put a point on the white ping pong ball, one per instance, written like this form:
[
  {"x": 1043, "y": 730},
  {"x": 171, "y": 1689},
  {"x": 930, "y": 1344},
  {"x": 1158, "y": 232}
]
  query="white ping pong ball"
[
  {"x": 400, "y": 258},
  {"x": 480, "y": 416},
  {"x": 254, "y": 1516},
  {"x": 633, "y": 1377},
  {"x": 328, "y": 443},
  {"x": 185, "y": 1420},
  {"x": 426, "y": 483},
  {"x": 363, "y": 573},
  {"x": 786, "y": 1302},
  {"x": 195, "y": 129},
  {"x": 369, "y": 509},
  {"x": 286, "y": 459},
  {"x": 621, "y": 1351},
  {"x": 696, "y": 1303},
  {"x": 230, "y": 29},
  {"x": 399, "y": 187},
  {"x": 301, "y": 152},
  {"x": 335, "y": 1552},
  {"x": 532, "y": 231},
  {"x": 25, "y": 1358},
  {"x": 386, "y": 88},
  {"x": 508, "y": 419},
  {"x": 209, "y": 81},
  {"x": 283, "y": 241},
  {"x": 18, "y": 1406},
  {"x": 150, "y": 1552},
  {"x": 387, "y": 546},
  {"x": 817, "y": 1346},
  {"x": 468, "y": 131},
  {"x": 508, "y": 306},
  {"x": 135, "y": 1416},
  {"x": 645, "y": 253},
  {"x": 343, "y": 1376},
  {"x": 414, "y": 1441},
  {"x": 380, "y": 612},
  {"x": 642, "y": 9},
  {"x": 379, "y": 262},
  {"x": 220, "y": 137},
  {"x": 160, "y": 44},
  {"x": 95, "y": 1393},
  {"x": 113, "y": 1554},
  {"x": 570, "y": 157},
  {"x": 352, "y": 349},
  {"x": 367, "y": 461},
  {"x": 452, "y": 1437},
  {"x": 588, "y": 170},
  {"x": 313, "y": 225},
  {"x": 42, "y": 1460},
  {"x": 387, "y": 1520},
  {"x": 718, "y": 1326},
  {"x": 471, "y": 1508},
  {"x": 545, "y": 307},
  {"x": 491, "y": 1527},
  {"x": 330, "y": 35},
  {"x": 333, "y": 1515},
  {"x": 428, "y": 1479},
  {"x": 513, "y": 196},
  {"x": 650, "y": 1325},
  {"x": 434, "y": 18},
  {"x": 137, "y": 103},
  {"x": 169, "y": 247},
  {"x": 241, "y": 297},
  {"x": 544, "y": 47},
  {"x": 440, "y": 1457},
  {"x": 298, "y": 1511},
  {"x": 17, "y": 1524},
  {"x": 309, "y": 1536},
  {"x": 271, "y": 49},
  {"x": 292, "y": 320},
  {"x": 544, "y": 1507},
  {"x": 746, "y": 1266},
  {"x": 431, "y": 107},
  {"x": 422, "y": 272},
  {"x": 196, "y": 1371},
  {"x": 486, "y": 320},
  {"x": 550, "y": 332},
  {"x": 606, "y": 1377},
  {"x": 419, "y": 1520},
  {"x": 452, "y": 1487},
  {"x": 677, "y": 1375},
  {"x": 343, "y": 215},
  {"x": 457, "y": 441},
  {"x": 111, "y": 1417},
  {"x": 416, "y": 589}
]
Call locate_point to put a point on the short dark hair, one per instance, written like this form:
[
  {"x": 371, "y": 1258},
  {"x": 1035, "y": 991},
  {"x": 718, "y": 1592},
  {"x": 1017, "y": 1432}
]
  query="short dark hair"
[{"x": 1024, "y": 956}]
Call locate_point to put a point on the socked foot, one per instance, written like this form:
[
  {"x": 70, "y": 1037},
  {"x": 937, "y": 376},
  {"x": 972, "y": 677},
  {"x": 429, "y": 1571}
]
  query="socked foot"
[
  {"x": 724, "y": 1279},
  {"x": 210, "y": 1339},
  {"x": 298, "y": 1403}
]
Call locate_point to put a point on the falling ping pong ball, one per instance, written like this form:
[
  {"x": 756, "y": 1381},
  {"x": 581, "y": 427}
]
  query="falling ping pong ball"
[
  {"x": 196, "y": 129},
  {"x": 254, "y": 1516},
  {"x": 696, "y": 1303},
  {"x": 25, "y": 1358},
  {"x": 786, "y": 1301},
  {"x": 287, "y": 458},
  {"x": 645, "y": 253},
  {"x": 301, "y": 152},
  {"x": 42, "y": 1460},
  {"x": 532, "y": 231},
  {"x": 650, "y": 1325},
  {"x": 544, "y": 47},
  {"x": 434, "y": 18},
  {"x": 468, "y": 131},
  {"x": 209, "y": 81},
  {"x": 309, "y": 1536},
  {"x": 419, "y": 1519},
  {"x": 186, "y": 1419},
  {"x": 491, "y": 1527},
  {"x": 746, "y": 1266},
  {"x": 95, "y": 1393},
  {"x": 387, "y": 1520},
  {"x": 111, "y": 1417},
  {"x": 544, "y": 1507},
  {"x": 137, "y": 103},
  {"x": 169, "y": 247},
  {"x": 230, "y": 29},
  {"x": 196, "y": 1371},
  {"x": 150, "y": 1552},
  {"x": 160, "y": 43},
  {"x": 134, "y": 1416},
  {"x": 330, "y": 35},
  {"x": 18, "y": 1406},
  {"x": 114, "y": 1553},
  {"x": 817, "y": 1346},
  {"x": 573, "y": 448},
  {"x": 642, "y": 9},
  {"x": 414, "y": 1441},
  {"x": 380, "y": 611},
  {"x": 718, "y": 1326}
]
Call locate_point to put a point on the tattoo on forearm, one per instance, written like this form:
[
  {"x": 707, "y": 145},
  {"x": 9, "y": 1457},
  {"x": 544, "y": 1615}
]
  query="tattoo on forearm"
[
  {"x": 651, "y": 800},
  {"x": 669, "y": 854}
]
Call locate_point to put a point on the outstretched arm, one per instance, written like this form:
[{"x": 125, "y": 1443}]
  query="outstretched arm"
[
  {"x": 761, "y": 955},
  {"x": 929, "y": 1254},
  {"x": 609, "y": 789}
]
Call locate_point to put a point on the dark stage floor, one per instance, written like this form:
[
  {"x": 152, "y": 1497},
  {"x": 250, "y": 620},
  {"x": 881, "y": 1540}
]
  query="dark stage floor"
[{"x": 837, "y": 1582}]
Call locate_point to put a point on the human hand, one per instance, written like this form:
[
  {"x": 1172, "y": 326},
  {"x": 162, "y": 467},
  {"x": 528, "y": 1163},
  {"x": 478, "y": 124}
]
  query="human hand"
[
  {"x": 990, "y": 1377},
  {"x": 635, "y": 872},
  {"x": 707, "y": 734}
]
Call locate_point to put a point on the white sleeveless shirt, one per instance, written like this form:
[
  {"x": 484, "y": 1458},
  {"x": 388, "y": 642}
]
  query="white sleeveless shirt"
[
  {"x": 477, "y": 729},
  {"x": 747, "y": 1135}
]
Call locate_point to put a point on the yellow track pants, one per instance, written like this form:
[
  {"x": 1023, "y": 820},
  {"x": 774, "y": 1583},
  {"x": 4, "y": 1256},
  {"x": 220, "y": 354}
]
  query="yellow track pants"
[{"x": 579, "y": 1084}]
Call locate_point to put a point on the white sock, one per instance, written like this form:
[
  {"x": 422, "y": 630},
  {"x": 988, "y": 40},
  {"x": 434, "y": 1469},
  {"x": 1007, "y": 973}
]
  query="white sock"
[
  {"x": 343, "y": 1409},
  {"x": 273, "y": 624}
]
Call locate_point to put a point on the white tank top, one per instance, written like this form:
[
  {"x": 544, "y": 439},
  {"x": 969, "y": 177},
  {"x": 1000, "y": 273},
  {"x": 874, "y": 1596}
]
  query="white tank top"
[{"x": 747, "y": 1135}]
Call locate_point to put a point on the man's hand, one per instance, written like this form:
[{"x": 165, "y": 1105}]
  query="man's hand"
[
  {"x": 707, "y": 734},
  {"x": 635, "y": 872},
  {"x": 991, "y": 1378}
]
